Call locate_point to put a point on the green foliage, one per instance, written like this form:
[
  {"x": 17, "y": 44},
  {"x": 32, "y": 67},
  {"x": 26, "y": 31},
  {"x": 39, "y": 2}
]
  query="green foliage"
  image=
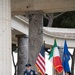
[{"x": 67, "y": 20}]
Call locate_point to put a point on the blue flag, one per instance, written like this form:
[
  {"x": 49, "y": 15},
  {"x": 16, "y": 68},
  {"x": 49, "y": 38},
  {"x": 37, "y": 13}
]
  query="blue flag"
[{"x": 66, "y": 58}]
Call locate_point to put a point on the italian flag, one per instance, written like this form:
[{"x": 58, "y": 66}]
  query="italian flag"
[{"x": 55, "y": 58}]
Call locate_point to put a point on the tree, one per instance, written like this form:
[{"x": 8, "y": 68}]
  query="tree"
[
  {"x": 66, "y": 20},
  {"x": 14, "y": 50}
]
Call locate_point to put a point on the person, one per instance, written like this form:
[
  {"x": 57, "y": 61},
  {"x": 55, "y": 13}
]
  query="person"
[{"x": 29, "y": 71}]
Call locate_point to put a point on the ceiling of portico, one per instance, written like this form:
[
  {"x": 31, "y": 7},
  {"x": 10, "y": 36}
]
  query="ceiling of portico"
[{"x": 47, "y": 6}]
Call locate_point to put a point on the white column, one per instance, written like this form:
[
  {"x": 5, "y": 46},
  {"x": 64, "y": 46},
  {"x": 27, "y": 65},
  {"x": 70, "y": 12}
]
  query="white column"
[{"x": 5, "y": 38}]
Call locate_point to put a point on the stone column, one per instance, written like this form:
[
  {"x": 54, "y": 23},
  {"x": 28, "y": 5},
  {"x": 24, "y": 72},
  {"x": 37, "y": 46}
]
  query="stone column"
[
  {"x": 5, "y": 38},
  {"x": 22, "y": 53},
  {"x": 35, "y": 37}
]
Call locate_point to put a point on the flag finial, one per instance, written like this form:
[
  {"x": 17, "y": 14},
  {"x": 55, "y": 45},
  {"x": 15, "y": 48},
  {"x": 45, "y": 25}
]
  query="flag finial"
[{"x": 44, "y": 41}]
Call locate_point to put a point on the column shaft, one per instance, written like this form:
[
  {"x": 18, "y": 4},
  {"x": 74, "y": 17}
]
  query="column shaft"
[
  {"x": 35, "y": 37},
  {"x": 22, "y": 53},
  {"x": 5, "y": 38}
]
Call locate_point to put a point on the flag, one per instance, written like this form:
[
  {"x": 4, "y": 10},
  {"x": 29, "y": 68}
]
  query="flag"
[
  {"x": 55, "y": 58},
  {"x": 40, "y": 62},
  {"x": 66, "y": 58}
]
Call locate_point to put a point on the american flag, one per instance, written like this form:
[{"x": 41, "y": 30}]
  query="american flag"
[{"x": 40, "y": 62}]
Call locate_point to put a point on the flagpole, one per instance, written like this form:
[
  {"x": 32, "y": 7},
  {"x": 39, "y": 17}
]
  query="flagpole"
[
  {"x": 44, "y": 41},
  {"x": 54, "y": 38}
]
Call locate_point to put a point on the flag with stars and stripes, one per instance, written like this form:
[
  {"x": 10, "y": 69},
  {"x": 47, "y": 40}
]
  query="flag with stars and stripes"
[{"x": 40, "y": 61}]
